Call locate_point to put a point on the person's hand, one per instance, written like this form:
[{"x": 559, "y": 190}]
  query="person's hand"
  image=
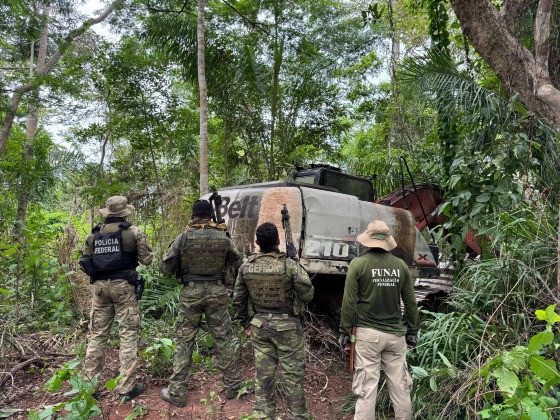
[
  {"x": 248, "y": 331},
  {"x": 411, "y": 340},
  {"x": 343, "y": 340}
]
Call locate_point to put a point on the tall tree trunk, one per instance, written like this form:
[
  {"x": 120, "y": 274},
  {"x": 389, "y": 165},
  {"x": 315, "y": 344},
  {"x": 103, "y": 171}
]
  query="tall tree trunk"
[
  {"x": 278, "y": 54},
  {"x": 203, "y": 101},
  {"x": 30, "y": 131},
  {"x": 395, "y": 57},
  {"x": 24, "y": 88}
]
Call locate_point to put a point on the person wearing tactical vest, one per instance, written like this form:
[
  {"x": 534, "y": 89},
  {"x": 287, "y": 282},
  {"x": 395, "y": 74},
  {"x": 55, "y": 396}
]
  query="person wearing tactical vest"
[
  {"x": 111, "y": 254},
  {"x": 199, "y": 258},
  {"x": 375, "y": 284},
  {"x": 276, "y": 286}
]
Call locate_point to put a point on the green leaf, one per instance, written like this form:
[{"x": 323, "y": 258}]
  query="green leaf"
[
  {"x": 545, "y": 369},
  {"x": 418, "y": 372},
  {"x": 539, "y": 340},
  {"x": 551, "y": 316},
  {"x": 4, "y": 292},
  {"x": 139, "y": 411},
  {"x": 506, "y": 379},
  {"x": 515, "y": 359},
  {"x": 111, "y": 384},
  {"x": 485, "y": 414},
  {"x": 547, "y": 401},
  {"x": 453, "y": 180},
  {"x": 54, "y": 383},
  {"x": 537, "y": 413},
  {"x": 167, "y": 342},
  {"x": 8, "y": 412},
  {"x": 445, "y": 360},
  {"x": 433, "y": 384},
  {"x": 483, "y": 198},
  {"x": 540, "y": 314}
]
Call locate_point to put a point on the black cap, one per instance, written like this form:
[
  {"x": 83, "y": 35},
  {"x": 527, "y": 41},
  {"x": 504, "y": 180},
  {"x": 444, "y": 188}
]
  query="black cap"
[{"x": 202, "y": 208}]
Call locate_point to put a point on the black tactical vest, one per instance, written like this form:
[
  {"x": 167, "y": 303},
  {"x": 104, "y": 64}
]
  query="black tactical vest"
[
  {"x": 109, "y": 257},
  {"x": 204, "y": 253},
  {"x": 268, "y": 284}
]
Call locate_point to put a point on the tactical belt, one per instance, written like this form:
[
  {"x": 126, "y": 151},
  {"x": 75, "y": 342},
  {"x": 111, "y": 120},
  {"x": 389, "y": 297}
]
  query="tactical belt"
[
  {"x": 271, "y": 315},
  {"x": 121, "y": 275},
  {"x": 191, "y": 283},
  {"x": 273, "y": 312}
]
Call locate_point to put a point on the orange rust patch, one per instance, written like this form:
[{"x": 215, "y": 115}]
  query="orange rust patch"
[{"x": 272, "y": 201}]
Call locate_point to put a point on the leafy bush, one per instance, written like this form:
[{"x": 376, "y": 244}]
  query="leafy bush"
[
  {"x": 82, "y": 405},
  {"x": 158, "y": 356},
  {"x": 522, "y": 383}
]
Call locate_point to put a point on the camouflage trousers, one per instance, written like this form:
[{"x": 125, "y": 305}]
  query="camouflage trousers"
[
  {"x": 114, "y": 300},
  {"x": 208, "y": 299},
  {"x": 278, "y": 342}
]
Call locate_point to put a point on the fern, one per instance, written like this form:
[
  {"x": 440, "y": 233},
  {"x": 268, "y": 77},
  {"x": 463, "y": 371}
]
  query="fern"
[{"x": 161, "y": 296}]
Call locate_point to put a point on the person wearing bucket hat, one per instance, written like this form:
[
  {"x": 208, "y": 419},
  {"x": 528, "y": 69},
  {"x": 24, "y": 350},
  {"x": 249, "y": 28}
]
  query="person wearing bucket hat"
[
  {"x": 375, "y": 284},
  {"x": 200, "y": 258},
  {"x": 110, "y": 256}
]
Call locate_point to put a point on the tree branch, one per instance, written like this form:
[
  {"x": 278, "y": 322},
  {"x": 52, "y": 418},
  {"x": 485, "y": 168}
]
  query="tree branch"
[
  {"x": 22, "y": 89},
  {"x": 14, "y": 68},
  {"x": 514, "y": 64},
  {"x": 512, "y": 11},
  {"x": 176, "y": 12},
  {"x": 254, "y": 25}
]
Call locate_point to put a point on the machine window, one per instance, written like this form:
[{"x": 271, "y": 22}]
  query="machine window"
[
  {"x": 360, "y": 188},
  {"x": 306, "y": 179}
]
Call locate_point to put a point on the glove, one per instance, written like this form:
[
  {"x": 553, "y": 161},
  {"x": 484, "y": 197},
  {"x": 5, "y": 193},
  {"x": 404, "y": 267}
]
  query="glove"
[
  {"x": 411, "y": 340},
  {"x": 343, "y": 340}
]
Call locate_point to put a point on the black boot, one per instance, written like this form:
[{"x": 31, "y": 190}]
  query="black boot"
[
  {"x": 136, "y": 390},
  {"x": 164, "y": 394}
]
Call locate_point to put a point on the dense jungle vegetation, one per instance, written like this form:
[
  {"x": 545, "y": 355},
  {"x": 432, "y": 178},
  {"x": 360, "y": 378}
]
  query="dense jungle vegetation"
[{"x": 467, "y": 91}]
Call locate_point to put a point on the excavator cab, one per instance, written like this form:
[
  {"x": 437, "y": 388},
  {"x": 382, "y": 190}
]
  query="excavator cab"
[{"x": 334, "y": 179}]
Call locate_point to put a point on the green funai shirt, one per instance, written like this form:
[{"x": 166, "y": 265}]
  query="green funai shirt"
[{"x": 375, "y": 284}]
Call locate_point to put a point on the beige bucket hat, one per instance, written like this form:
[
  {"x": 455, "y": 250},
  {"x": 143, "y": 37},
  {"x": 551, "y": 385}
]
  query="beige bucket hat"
[
  {"x": 116, "y": 206},
  {"x": 377, "y": 235}
]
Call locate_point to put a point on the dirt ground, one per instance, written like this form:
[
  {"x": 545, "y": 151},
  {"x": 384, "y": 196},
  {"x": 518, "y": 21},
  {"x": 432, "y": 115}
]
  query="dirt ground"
[{"x": 326, "y": 381}]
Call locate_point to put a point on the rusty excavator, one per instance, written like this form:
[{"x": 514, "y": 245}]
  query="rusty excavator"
[{"x": 327, "y": 209}]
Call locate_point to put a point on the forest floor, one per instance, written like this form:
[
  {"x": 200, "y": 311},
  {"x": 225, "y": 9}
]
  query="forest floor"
[{"x": 326, "y": 381}]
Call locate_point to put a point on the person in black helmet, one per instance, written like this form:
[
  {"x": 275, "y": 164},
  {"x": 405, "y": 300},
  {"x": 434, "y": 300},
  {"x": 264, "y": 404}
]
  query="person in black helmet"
[{"x": 200, "y": 258}]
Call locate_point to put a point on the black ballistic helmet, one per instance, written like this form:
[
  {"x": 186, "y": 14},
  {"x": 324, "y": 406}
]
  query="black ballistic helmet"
[{"x": 202, "y": 208}]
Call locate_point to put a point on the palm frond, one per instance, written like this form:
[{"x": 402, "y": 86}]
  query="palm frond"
[
  {"x": 176, "y": 36},
  {"x": 161, "y": 296},
  {"x": 452, "y": 91},
  {"x": 65, "y": 162}
]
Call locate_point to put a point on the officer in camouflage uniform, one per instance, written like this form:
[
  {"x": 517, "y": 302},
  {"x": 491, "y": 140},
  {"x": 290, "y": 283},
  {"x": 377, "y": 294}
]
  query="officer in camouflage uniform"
[
  {"x": 200, "y": 257},
  {"x": 112, "y": 251},
  {"x": 277, "y": 287}
]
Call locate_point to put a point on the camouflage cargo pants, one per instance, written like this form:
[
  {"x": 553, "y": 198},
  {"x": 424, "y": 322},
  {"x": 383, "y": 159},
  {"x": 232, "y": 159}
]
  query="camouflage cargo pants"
[
  {"x": 114, "y": 300},
  {"x": 278, "y": 342},
  {"x": 208, "y": 299}
]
